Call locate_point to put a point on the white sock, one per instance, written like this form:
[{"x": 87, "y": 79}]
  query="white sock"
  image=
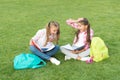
[{"x": 85, "y": 58}]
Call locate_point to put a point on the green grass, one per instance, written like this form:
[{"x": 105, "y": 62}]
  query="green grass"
[{"x": 20, "y": 19}]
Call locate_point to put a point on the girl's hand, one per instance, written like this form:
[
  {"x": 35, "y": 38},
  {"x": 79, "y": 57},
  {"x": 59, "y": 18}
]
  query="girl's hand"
[
  {"x": 78, "y": 58},
  {"x": 75, "y": 21},
  {"x": 30, "y": 43},
  {"x": 75, "y": 51}
]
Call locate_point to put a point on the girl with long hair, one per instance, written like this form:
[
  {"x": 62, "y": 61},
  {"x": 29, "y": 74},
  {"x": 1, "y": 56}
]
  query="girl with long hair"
[
  {"x": 81, "y": 41},
  {"x": 46, "y": 38}
]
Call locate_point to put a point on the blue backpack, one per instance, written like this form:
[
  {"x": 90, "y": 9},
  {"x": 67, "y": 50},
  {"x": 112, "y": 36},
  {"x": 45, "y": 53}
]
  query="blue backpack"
[{"x": 24, "y": 61}]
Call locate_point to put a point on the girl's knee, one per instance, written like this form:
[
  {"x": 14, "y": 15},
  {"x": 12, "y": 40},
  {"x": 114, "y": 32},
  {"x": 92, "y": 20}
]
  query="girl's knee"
[
  {"x": 32, "y": 48},
  {"x": 57, "y": 47},
  {"x": 62, "y": 49}
]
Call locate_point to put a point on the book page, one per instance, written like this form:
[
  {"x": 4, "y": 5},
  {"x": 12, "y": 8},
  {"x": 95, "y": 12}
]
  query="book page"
[
  {"x": 48, "y": 47},
  {"x": 68, "y": 46}
]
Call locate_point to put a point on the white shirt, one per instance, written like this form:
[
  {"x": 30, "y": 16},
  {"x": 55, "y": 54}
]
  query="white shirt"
[{"x": 40, "y": 37}]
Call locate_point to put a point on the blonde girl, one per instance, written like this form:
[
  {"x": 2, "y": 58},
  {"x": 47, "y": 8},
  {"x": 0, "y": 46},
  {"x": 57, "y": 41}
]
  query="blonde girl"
[{"x": 44, "y": 37}]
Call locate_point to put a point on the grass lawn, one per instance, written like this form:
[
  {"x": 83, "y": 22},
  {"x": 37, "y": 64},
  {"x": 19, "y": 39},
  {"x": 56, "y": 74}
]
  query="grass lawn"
[{"x": 20, "y": 20}]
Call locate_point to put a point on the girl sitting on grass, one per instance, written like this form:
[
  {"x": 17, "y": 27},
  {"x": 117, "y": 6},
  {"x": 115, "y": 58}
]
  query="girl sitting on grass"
[
  {"x": 46, "y": 37},
  {"x": 82, "y": 39}
]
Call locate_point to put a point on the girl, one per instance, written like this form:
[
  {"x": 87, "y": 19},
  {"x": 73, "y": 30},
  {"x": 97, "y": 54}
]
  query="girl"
[
  {"x": 82, "y": 39},
  {"x": 46, "y": 37}
]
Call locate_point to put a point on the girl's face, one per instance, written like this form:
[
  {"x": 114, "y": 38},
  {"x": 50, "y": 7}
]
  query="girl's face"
[
  {"x": 53, "y": 29},
  {"x": 82, "y": 27}
]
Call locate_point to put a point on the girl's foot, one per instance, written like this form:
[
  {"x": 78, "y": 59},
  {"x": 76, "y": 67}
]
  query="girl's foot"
[
  {"x": 90, "y": 60},
  {"x": 67, "y": 58},
  {"x": 54, "y": 61},
  {"x": 78, "y": 58}
]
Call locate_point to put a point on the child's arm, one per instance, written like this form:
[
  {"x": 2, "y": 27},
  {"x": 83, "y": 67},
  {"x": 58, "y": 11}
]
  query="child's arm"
[
  {"x": 72, "y": 23},
  {"x": 36, "y": 38},
  {"x": 32, "y": 42},
  {"x": 79, "y": 19}
]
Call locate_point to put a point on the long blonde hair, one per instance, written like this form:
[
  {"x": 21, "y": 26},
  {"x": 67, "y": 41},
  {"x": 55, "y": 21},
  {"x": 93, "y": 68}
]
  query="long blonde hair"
[{"x": 56, "y": 24}]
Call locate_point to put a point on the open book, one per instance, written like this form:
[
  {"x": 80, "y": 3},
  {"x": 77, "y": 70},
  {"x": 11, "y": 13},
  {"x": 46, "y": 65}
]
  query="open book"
[
  {"x": 48, "y": 47},
  {"x": 69, "y": 47}
]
